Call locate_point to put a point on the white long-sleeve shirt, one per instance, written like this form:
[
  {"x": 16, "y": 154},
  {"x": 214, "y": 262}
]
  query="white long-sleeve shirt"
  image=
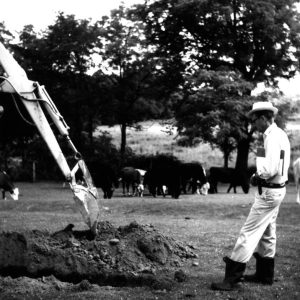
[{"x": 270, "y": 168}]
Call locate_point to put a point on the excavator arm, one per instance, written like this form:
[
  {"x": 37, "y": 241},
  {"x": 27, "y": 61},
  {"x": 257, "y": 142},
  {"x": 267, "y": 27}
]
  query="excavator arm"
[{"x": 39, "y": 104}]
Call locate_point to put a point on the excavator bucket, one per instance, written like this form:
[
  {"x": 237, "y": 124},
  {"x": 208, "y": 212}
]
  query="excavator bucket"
[{"x": 85, "y": 196}]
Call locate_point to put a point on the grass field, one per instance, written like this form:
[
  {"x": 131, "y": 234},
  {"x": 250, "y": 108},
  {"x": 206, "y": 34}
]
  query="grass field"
[{"x": 211, "y": 224}]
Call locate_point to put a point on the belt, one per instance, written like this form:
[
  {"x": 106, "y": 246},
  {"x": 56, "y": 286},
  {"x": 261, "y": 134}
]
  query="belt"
[
  {"x": 273, "y": 185},
  {"x": 270, "y": 186}
]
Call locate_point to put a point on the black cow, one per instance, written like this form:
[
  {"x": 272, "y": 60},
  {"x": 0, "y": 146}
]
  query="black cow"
[
  {"x": 162, "y": 178},
  {"x": 133, "y": 178},
  {"x": 7, "y": 185},
  {"x": 239, "y": 177},
  {"x": 235, "y": 177},
  {"x": 104, "y": 177},
  {"x": 193, "y": 174},
  {"x": 155, "y": 183}
]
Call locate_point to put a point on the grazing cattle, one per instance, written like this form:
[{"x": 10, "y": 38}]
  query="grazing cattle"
[
  {"x": 296, "y": 170},
  {"x": 203, "y": 189},
  {"x": 229, "y": 175},
  {"x": 193, "y": 174},
  {"x": 7, "y": 185},
  {"x": 132, "y": 177},
  {"x": 140, "y": 190},
  {"x": 160, "y": 179},
  {"x": 163, "y": 175},
  {"x": 142, "y": 172},
  {"x": 241, "y": 178},
  {"x": 218, "y": 174},
  {"x": 140, "y": 187},
  {"x": 104, "y": 177}
]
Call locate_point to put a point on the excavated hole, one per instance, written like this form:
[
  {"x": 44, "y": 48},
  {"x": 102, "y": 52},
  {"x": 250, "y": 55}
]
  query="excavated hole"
[{"x": 132, "y": 255}]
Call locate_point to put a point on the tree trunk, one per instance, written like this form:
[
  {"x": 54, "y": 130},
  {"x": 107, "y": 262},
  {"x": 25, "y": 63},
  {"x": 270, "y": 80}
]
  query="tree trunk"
[
  {"x": 242, "y": 154},
  {"x": 90, "y": 128},
  {"x": 226, "y": 159},
  {"x": 123, "y": 139}
]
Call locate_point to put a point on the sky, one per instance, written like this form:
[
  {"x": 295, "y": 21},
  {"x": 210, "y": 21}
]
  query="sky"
[{"x": 41, "y": 13}]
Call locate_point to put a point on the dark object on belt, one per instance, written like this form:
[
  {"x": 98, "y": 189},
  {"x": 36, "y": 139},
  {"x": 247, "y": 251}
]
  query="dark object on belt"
[
  {"x": 255, "y": 180},
  {"x": 259, "y": 189}
]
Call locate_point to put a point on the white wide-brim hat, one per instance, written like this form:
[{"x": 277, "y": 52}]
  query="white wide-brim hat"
[{"x": 263, "y": 105}]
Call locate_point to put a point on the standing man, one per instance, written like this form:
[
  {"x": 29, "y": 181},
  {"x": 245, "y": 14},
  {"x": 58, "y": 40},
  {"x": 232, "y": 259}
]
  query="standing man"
[{"x": 259, "y": 230}]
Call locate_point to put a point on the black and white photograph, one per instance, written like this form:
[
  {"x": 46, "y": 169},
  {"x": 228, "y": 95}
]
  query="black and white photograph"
[{"x": 150, "y": 149}]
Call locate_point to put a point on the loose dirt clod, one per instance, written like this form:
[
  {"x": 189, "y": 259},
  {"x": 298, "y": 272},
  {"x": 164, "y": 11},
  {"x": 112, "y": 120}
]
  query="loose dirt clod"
[{"x": 132, "y": 255}]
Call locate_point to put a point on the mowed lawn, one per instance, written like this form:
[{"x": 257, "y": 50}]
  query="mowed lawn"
[{"x": 209, "y": 223}]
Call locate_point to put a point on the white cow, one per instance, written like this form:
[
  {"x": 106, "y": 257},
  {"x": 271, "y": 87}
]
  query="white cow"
[
  {"x": 140, "y": 188},
  {"x": 6, "y": 185},
  {"x": 203, "y": 190},
  {"x": 296, "y": 169}
]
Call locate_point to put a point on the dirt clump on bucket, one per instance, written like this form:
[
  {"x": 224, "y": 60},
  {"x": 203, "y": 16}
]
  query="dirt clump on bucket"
[{"x": 132, "y": 255}]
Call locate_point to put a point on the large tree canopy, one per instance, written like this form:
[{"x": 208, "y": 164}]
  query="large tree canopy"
[{"x": 258, "y": 38}]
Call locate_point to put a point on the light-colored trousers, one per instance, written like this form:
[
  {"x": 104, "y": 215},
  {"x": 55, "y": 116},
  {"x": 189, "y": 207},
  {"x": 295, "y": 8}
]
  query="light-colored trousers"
[{"x": 259, "y": 229}]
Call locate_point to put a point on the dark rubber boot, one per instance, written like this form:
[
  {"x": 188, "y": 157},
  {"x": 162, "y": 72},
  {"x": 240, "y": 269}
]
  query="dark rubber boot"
[
  {"x": 264, "y": 270},
  {"x": 268, "y": 264},
  {"x": 233, "y": 273},
  {"x": 256, "y": 277}
]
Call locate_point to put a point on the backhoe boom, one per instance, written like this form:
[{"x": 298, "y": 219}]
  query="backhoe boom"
[{"x": 37, "y": 102}]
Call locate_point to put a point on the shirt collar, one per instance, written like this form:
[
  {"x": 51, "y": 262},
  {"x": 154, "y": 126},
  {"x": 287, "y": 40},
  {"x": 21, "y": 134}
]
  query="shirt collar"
[{"x": 270, "y": 128}]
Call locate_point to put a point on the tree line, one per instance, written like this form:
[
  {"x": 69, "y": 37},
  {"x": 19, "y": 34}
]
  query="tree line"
[{"x": 193, "y": 62}]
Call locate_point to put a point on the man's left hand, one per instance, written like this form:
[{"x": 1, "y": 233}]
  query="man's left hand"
[{"x": 255, "y": 179}]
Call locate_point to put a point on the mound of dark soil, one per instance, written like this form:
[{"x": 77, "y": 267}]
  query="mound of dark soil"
[{"x": 132, "y": 255}]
